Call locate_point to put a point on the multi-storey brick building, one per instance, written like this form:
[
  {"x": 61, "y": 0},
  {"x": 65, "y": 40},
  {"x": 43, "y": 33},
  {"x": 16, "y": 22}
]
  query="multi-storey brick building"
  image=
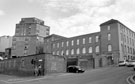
[
  {"x": 114, "y": 42},
  {"x": 29, "y": 37},
  {"x": 79, "y": 50},
  {"x": 49, "y": 40},
  {"x": 117, "y": 40}
]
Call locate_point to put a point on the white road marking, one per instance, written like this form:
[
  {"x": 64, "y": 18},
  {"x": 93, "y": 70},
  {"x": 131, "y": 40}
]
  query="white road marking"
[{"x": 128, "y": 80}]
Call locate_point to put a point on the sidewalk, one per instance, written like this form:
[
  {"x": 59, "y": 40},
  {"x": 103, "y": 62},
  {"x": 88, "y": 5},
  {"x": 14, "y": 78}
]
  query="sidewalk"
[{"x": 16, "y": 79}]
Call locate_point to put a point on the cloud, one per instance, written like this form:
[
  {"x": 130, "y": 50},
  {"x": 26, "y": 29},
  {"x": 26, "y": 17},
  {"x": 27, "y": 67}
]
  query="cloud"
[
  {"x": 74, "y": 17},
  {"x": 1, "y": 12}
]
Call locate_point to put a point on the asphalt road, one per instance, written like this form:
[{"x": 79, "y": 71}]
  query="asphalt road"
[{"x": 108, "y": 75}]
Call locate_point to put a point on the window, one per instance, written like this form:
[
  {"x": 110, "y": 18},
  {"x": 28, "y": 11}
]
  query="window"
[
  {"x": 109, "y": 47},
  {"x": 77, "y": 41},
  {"x": 97, "y": 37},
  {"x": 52, "y": 38},
  {"x": 130, "y": 40},
  {"x": 133, "y": 42},
  {"x": 53, "y": 53},
  {"x": 133, "y": 51},
  {"x": 128, "y": 49},
  {"x": 124, "y": 38},
  {"x": 14, "y": 39},
  {"x": 83, "y": 40},
  {"x": 62, "y": 44},
  {"x": 14, "y": 47},
  {"x": 90, "y": 49},
  {"x": 72, "y": 51},
  {"x": 97, "y": 49},
  {"x": 78, "y": 51},
  {"x": 62, "y": 52},
  {"x": 67, "y": 52},
  {"x": 108, "y": 27},
  {"x": 26, "y": 39},
  {"x": 72, "y": 43},
  {"x": 26, "y": 48},
  {"x": 122, "y": 47},
  {"x": 37, "y": 31},
  {"x": 84, "y": 50},
  {"x": 57, "y": 45},
  {"x": 47, "y": 33},
  {"x": 25, "y": 51},
  {"x": 67, "y": 43},
  {"x": 90, "y": 40},
  {"x": 121, "y": 37},
  {"x": 109, "y": 36},
  {"x": 125, "y": 49},
  {"x": 57, "y": 52},
  {"x": 127, "y": 40},
  {"x": 53, "y": 45}
]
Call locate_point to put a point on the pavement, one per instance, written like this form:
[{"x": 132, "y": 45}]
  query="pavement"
[
  {"x": 15, "y": 79},
  {"x": 107, "y": 75}
]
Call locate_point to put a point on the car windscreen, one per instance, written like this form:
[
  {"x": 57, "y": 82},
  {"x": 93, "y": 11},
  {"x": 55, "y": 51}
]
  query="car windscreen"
[
  {"x": 121, "y": 61},
  {"x": 132, "y": 61}
]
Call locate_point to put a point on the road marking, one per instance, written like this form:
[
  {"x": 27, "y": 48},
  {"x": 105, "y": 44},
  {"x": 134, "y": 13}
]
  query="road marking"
[{"x": 128, "y": 80}]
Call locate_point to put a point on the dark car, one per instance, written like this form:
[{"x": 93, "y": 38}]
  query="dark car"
[
  {"x": 75, "y": 69},
  {"x": 134, "y": 67}
]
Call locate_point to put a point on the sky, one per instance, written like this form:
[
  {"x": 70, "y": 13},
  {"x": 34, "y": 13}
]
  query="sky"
[{"x": 66, "y": 17}]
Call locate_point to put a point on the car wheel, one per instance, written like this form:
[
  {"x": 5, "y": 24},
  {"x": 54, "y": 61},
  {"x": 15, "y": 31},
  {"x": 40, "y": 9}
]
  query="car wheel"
[
  {"x": 134, "y": 69},
  {"x": 76, "y": 71}
]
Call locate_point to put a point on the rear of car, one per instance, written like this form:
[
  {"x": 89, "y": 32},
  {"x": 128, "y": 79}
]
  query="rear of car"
[
  {"x": 134, "y": 67},
  {"x": 131, "y": 63}
]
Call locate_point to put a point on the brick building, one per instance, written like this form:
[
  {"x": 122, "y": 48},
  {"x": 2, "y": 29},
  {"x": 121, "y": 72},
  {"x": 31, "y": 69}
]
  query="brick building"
[
  {"x": 79, "y": 50},
  {"x": 29, "y": 37},
  {"x": 115, "y": 42},
  {"x": 25, "y": 65}
]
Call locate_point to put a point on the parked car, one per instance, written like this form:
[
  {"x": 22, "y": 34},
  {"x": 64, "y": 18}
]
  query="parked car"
[
  {"x": 75, "y": 69},
  {"x": 122, "y": 63},
  {"x": 134, "y": 67},
  {"x": 130, "y": 63}
]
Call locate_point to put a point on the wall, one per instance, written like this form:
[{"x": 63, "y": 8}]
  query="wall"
[
  {"x": 114, "y": 41},
  {"x": 55, "y": 64},
  {"x": 24, "y": 66},
  {"x": 86, "y": 62}
]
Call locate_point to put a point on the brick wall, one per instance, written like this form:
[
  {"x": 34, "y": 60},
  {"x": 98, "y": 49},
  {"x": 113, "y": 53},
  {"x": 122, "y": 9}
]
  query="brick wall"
[{"x": 24, "y": 66}]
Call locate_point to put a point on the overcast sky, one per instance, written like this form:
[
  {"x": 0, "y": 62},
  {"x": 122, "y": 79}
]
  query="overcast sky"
[{"x": 66, "y": 17}]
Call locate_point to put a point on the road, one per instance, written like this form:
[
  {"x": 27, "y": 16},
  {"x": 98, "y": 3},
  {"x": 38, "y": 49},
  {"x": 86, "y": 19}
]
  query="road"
[{"x": 108, "y": 75}]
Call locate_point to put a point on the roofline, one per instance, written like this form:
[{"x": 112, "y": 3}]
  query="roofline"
[
  {"x": 114, "y": 21},
  {"x": 86, "y": 34},
  {"x": 55, "y": 35}
]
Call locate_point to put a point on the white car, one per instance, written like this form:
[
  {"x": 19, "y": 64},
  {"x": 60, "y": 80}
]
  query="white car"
[
  {"x": 131, "y": 63},
  {"x": 122, "y": 63}
]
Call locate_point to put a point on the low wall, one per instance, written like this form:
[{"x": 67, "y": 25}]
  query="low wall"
[
  {"x": 25, "y": 66},
  {"x": 55, "y": 64}
]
